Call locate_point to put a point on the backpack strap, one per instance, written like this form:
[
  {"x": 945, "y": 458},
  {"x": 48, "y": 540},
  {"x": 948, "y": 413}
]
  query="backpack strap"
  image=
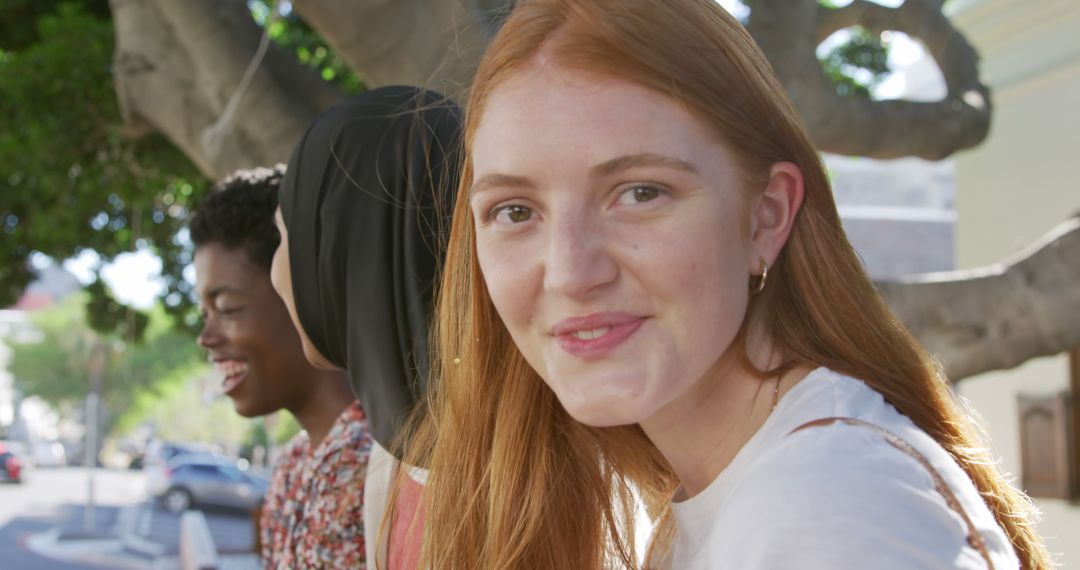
[{"x": 974, "y": 539}]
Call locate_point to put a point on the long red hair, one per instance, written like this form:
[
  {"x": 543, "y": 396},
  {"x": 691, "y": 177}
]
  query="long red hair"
[{"x": 515, "y": 481}]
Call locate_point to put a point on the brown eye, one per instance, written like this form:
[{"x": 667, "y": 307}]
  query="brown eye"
[
  {"x": 644, "y": 194},
  {"x": 513, "y": 214},
  {"x": 639, "y": 195}
]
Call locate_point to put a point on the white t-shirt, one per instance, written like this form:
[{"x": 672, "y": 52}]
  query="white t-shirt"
[{"x": 837, "y": 496}]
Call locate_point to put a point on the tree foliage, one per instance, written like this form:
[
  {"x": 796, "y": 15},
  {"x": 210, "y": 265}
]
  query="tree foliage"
[
  {"x": 179, "y": 410},
  {"x": 69, "y": 177},
  {"x": 857, "y": 65},
  {"x": 57, "y": 366},
  {"x": 292, "y": 33}
]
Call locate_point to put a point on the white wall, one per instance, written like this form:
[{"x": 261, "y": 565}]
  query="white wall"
[{"x": 1016, "y": 186}]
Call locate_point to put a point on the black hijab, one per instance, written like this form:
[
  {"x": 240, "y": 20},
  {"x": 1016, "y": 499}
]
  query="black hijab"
[{"x": 367, "y": 199}]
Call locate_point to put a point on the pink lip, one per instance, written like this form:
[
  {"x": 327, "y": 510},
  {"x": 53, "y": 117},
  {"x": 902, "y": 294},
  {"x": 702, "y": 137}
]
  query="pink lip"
[{"x": 621, "y": 327}]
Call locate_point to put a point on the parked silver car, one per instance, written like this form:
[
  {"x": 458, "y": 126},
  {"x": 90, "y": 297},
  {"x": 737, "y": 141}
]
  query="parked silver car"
[
  {"x": 160, "y": 454},
  {"x": 48, "y": 454},
  {"x": 210, "y": 481}
]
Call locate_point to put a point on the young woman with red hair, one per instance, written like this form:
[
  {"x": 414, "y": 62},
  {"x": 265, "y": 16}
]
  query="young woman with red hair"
[{"x": 649, "y": 298}]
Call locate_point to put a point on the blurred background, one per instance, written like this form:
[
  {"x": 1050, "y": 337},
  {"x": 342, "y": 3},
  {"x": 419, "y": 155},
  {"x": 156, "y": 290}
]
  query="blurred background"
[{"x": 949, "y": 129}]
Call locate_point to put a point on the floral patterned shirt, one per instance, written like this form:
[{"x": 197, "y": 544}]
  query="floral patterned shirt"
[{"x": 312, "y": 516}]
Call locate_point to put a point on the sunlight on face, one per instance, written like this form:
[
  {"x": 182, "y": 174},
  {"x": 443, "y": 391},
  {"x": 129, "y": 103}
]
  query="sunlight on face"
[
  {"x": 611, "y": 232},
  {"x": 281, "y": 277},
  {"x": 247, "y": 333}
]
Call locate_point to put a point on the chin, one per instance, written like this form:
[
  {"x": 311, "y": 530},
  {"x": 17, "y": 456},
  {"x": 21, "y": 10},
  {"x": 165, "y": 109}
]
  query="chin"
[
  {"x": 608, "y": 399},
  {"x": 608, "y": 411},
  {"x": 248, "y": 409}
]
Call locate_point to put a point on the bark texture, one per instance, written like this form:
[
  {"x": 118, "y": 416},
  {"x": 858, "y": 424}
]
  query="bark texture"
[
  {"x": 176, "y": 65},
  {"x": 435, "y": 43}
]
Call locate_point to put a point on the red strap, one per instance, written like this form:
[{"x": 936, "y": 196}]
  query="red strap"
[
  {"x": 407, "y": 529},
  {"x": 974, "y": 539}
]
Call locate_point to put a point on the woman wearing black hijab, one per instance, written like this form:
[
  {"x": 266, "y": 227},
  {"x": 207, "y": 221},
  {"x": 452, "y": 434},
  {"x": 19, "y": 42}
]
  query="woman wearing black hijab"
[{"x": 364, "y": 208}]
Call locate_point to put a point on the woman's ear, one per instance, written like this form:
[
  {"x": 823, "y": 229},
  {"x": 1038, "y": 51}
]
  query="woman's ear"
[{"x": 772, "y": 213}]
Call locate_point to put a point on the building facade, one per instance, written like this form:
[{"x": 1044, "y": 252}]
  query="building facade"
[{"x": 1010, "y": 191}]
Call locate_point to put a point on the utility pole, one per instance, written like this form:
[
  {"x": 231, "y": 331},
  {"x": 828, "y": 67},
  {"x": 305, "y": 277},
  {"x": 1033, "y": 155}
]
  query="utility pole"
[{"x": 93, "y": 405}]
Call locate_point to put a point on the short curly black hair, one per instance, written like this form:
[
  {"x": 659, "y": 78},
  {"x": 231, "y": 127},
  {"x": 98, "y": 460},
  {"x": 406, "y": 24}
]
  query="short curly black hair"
[{"x": 239, "y": 213}]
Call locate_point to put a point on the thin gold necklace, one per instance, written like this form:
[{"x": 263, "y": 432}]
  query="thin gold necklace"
[{"x": 776, "y": 393}]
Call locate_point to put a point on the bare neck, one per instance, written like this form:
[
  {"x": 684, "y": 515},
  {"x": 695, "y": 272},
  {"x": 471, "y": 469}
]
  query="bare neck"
[
  {"x": 702, "y": 431},
  {"x": 318, "y": 413}
]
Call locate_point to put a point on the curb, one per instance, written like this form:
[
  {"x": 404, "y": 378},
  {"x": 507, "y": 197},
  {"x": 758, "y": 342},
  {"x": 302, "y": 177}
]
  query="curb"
[
  {"x": 106, "y": 552},
  {"x": 127, "y": 529}
]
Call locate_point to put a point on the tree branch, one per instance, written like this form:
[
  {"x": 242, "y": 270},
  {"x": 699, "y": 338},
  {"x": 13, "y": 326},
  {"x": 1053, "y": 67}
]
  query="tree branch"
[
  {"x": 998, "y": 317},
  {"x": 177, "y": 63},
  {"x": 891, "y": 128}
]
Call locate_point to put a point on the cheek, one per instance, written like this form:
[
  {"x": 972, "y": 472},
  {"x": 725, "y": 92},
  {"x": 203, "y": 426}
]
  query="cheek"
[
  {"x": 246, "y": 334},
  {"x": 509, "y": 280},
  {"x": 281, "y": 281},
  {"x": 721, "y": 298},
  {"x": 702, "y": 282}
]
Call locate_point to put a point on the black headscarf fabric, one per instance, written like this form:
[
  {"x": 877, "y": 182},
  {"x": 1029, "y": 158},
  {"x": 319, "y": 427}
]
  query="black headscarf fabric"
[{"x": 367, "y": 199}]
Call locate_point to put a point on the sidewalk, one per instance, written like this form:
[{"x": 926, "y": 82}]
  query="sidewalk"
[
  {"x": 141, "y": 536},
  {"x": 70, "y": 540}
]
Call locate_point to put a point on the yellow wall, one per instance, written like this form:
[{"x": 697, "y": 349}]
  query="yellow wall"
[{"x": 1017, "y": 185}]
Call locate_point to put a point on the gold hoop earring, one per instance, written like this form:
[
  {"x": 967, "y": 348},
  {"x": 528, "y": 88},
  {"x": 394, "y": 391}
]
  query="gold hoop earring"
[{"x": 761, "y": 280}]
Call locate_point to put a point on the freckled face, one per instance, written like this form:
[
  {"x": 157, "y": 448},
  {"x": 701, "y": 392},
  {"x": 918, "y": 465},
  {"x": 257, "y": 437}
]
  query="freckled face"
[{"x": 612, "y": 234}]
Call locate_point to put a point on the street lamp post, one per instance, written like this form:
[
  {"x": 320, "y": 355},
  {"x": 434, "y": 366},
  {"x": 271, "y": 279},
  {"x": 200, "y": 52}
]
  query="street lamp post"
[{"x": 93, "y": 398}]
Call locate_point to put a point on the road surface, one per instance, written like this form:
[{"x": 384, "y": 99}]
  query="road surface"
[{"x": 48, "y": 509}]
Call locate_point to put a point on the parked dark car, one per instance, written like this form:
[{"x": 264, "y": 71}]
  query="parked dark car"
[
  {"x": 210, "y": 482},
  {"x": 11, "y": 469}
]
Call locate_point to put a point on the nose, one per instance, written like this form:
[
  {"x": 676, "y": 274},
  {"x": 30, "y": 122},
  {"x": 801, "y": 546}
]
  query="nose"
[
  {"x": 210, "y": 336},
  {"x": 578, "y": 255}
]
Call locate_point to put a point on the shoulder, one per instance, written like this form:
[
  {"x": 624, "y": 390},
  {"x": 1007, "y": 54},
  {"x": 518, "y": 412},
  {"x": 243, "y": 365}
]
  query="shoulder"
[
  {"x": 335, "y": 521},
  {"x": 830, "y": 469},
  {"x": 294, "y": 449},
  {"x": 341, "y": 476},
  {"x": 841, "y": 496},
  {"x": 288, "y": 460},
  {"x": 347, "y": 463},
  {"x": 837, "y": 467},
  {"x": 334, "y": 512}
]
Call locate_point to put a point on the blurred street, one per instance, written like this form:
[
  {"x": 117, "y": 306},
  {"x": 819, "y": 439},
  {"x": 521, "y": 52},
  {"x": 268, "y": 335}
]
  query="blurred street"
[{"x": 42, "y": 524}]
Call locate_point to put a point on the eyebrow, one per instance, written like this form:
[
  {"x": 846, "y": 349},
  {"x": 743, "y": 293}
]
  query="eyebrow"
[
  {"x": 640, "y": 160},
  {"x": 496, "y": 180},
  {"x": 221, "y": 290}
]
